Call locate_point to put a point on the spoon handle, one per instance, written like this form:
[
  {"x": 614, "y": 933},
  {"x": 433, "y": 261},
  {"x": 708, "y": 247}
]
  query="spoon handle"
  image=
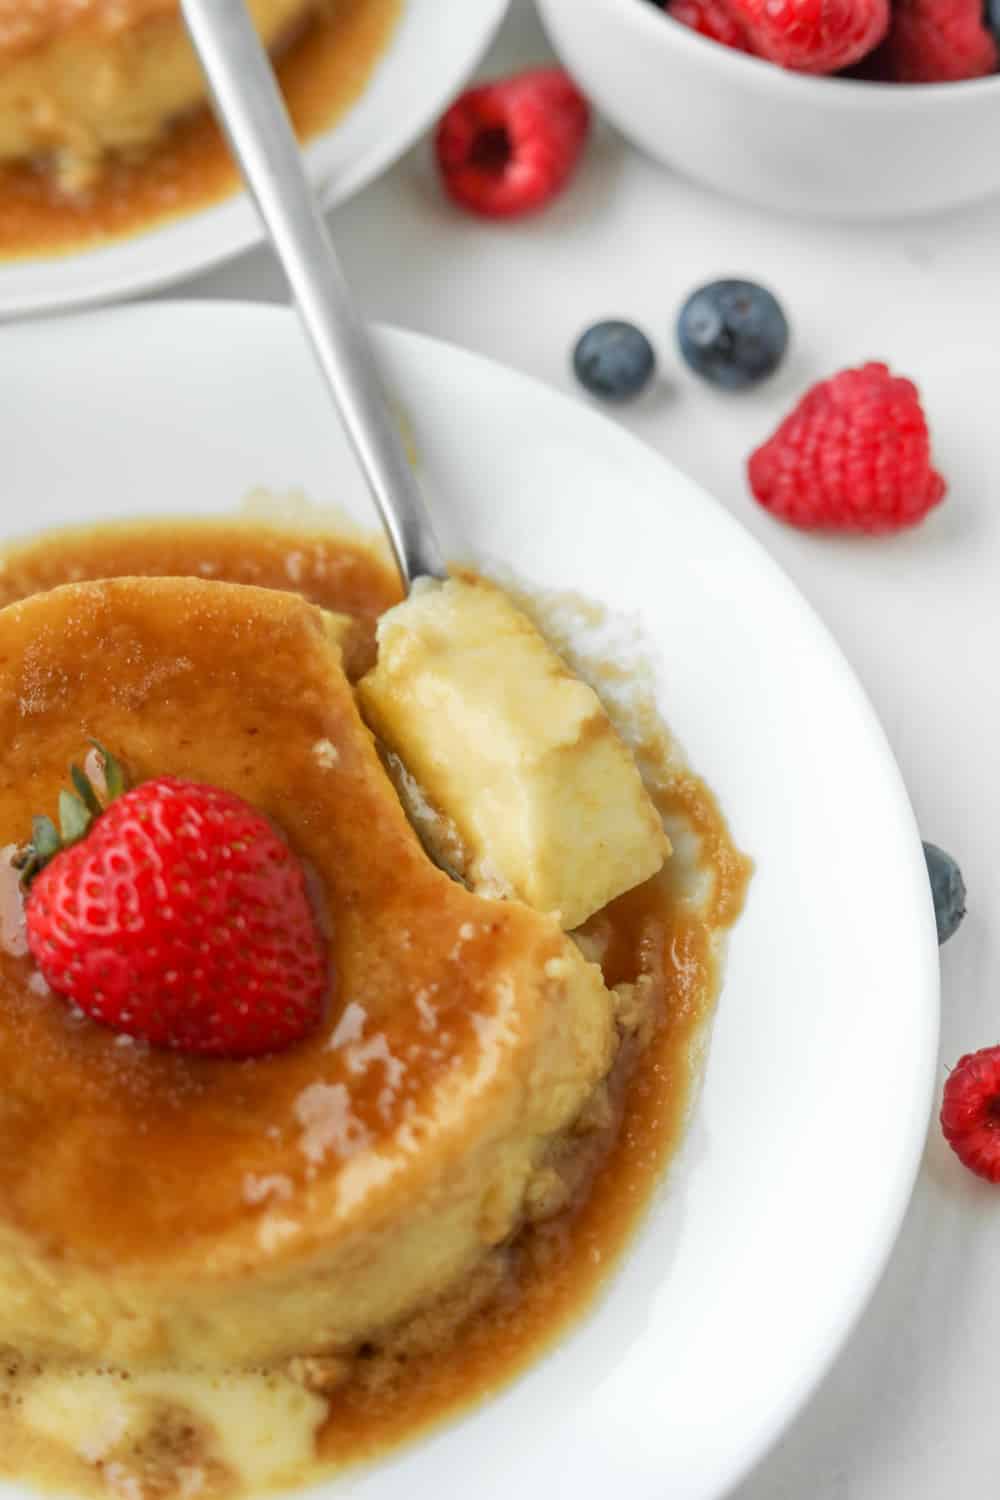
[{"x": 252, "y": 112}]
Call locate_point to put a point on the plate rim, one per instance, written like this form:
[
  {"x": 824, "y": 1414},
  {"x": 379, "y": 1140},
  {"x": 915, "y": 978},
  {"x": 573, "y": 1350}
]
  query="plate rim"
[
  {"x": 811, "y": 1372},
  {"x": 880, "y": 1254}
]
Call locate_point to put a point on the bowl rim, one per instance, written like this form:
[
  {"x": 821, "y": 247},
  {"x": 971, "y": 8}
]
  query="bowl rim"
[{"x": 836, "y": 90}]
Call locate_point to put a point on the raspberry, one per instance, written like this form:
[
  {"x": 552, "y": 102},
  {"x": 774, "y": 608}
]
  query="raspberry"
[
  {"x": 938, "y": 41},
  {"x": 970, "y": 1112},
  {"x": 507, "y": 148},
  {"x": 813, "y": 36},
  {"x": 712, "y": 19},
  {"x": 854, "y": 455}
]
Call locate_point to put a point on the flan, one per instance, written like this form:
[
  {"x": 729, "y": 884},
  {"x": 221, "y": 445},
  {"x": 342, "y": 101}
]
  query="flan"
[
  {"x": 531, "y": 790},
  {"x": 162, "y": 1210},
  {"x": 80, "y": 79}
]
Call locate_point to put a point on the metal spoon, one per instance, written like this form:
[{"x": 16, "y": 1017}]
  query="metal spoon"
[{"x": 252, "y": 113}]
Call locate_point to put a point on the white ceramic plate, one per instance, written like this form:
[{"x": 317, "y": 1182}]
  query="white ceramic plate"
[
  {"x": 436, "y": 46},
  {"x": 763, "y": 1248}
]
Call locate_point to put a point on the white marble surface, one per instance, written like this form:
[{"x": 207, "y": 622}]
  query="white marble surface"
[{"x": 909, "y": 1411}]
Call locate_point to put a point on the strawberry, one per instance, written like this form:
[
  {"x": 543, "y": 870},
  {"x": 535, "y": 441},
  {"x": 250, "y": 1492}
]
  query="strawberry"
[
  {"x": 970, "y": 1112},
  {"x": 507, "y": 148},
  {"x": 174, "y": 913},
  {"x": 813, "y": 36},
  {"x": 854, "y": 455}
]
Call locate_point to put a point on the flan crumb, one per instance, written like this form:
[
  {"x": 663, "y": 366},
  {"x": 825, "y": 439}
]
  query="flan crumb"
[
  {"x": 546, "y": 1195},
  {"x": 274, "y": 1231},
  {"x": 635, "y": 1009},
  {"x": 361, "y": 1055},
  {"x": 489, "y": 882},
  {"x": 122, "y": 1481},
  {"x": 320, "y": 1373},
  {"x": 350, "y": 1027},
  {"x": 425, "y": 1010},
  {"x": 326, "y": 753},
  {"x": 328, "y": 1123},
  {"x": 260, "y": 1189}
]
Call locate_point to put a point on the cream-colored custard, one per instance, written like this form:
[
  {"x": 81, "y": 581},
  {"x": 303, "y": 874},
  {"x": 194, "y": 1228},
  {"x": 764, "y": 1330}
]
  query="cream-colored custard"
[
  {"x": 176, "y": 1434},
  {"x": 514, "y": 753},
  {"x": 82, "y": 78}
]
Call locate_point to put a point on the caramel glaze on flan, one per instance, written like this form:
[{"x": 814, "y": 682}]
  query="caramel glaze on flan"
[
  {"x": 82, "y": 78},
  {"x": 157, "y": 1209},
  {"x": 169, "y": 1433}
]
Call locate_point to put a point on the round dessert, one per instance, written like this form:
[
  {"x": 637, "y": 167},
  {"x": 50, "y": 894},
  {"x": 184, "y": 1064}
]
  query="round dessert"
[
  {"x": 82, "y": 78},
  {"x": 165, "y": 1209},
  {"x": 463, "y": 1121}
]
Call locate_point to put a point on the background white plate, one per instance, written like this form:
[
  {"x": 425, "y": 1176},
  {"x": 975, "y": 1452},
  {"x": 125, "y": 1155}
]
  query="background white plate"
[
  {"x": 436, "y": 46},
  {"x": 762, "y": 1250}
]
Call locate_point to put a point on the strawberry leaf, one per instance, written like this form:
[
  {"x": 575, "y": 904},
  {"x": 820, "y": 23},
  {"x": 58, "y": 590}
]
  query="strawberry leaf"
[
  {"x": 74, "y": 819},
  {"x": 45, "y": 839},
  {"x": 115, "y": 780},
  {"x": 77, "y": 811},
  {"x": 85, "y": 790}
]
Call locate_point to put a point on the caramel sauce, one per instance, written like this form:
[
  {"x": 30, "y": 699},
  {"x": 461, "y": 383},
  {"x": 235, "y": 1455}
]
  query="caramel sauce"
[
  {"x": 660, "y": 935},
  {"x": 333, "y": 572},
  {"x": 323, "y": 73}
]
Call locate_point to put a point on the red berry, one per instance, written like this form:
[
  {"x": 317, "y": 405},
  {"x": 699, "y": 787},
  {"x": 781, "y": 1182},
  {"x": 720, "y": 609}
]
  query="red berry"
[
  {"x": 813, "y": 36},
  {"x": 182, "y": 918},
  {"x": 854, "y": 455},
  {"x": 712, "y": 19},
  {"x": 938, "y": 41},
  {"x": 970, "y": 1112},
  {"x": 508, "y": 147}
]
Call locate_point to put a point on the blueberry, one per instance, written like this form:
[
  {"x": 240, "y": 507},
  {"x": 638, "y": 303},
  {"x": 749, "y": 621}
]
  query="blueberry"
[
  {"x": 948, "y": 889},
  {"x": 993, "y": 17},
  {"x": 614, "y": 360},
  {"x": 732, "y": 333}
]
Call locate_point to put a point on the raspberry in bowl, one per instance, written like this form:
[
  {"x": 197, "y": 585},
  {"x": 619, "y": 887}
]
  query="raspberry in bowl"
[{"x": 790, "y": 127}]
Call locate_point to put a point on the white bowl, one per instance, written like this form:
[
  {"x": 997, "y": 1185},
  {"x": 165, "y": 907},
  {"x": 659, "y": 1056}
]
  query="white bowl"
[
  {"x": 828, "y": 147},
  {"x": 760, "y": 1252},
  {"x": 436, "y": 45}
]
